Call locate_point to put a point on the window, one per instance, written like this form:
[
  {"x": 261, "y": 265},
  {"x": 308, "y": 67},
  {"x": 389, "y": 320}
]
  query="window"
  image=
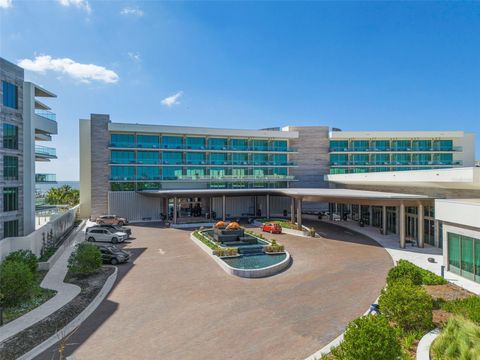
[
  {"x": 401, "y": 159},
  {"x": 10, "y": 168},
  {"x": 10, "y": 95},
  {"x": 279, "y": 159},
  {"x": 148, "y": 173},
  {"x": 380, "y": 145},
  {"x": 360, "y": 145},
  {"x": 195, "y": 172},
  {"x": 217, "y": 144},
  {"x": 218, "y": 158},
  {"x": 148, "y": 141},
  {"x": 260, "y": 145},
  {"x": 338, "y": 159},
  {"x": 359, "y": 159},
  {"x": 422, "y": 145},
  {"x": 172, "y": 158},
  {"x": 421, "y": 159},
  {"x": 240, "y": 159},
  {"x": 338, "y": 145},
  {"x": 401, "y": 145},
  {"x": 123, "y": 157},
  {"x": 123, "y": 173},
  {"x": 464, "y": 256},
  {"x": 172, "y": 142},
  {"x": 148, "y": 157},
  {"x": 443, "y": 159},
  {"x": 10, "y": 228},
  {"x": 380, "y": 159},
  {"x": 443, "y": 145},
  {"x": 10, "y": 199},
  {"x": 260, "y": 159},
  {"x": 239, "y": 144},
  {"x": 171, "y": 173},
  {"x": 279, "y": 145},
  {"x": 217, "y": 172},
  {"x": 239, "y": 172},
  {"x": 196, "y": 158},
  {"x": 10, "y": 136},
  {"x": 123, "y": 140},
  {"x": 195, "y": 143}
]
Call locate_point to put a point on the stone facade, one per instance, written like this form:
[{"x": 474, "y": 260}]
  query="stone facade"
[{"x": 14, "y": 75}]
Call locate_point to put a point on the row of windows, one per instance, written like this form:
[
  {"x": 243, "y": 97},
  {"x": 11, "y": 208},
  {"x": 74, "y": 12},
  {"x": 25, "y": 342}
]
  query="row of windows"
[
  {"x": 10, "y": 95},
  {"x": 354, "y": 170},
  {"x": 10, "y": 228},
  {"x": 10, "y": 136},
  {"x": 153, "y": 157},
  {"x": 139, "y": 186},
  {"x": 464, "y": 256},
  {"x": 392, "y": 159},
  {"x": 10, "y": 167},
  {"x": 10, "y": 199},
  {"x": 174, "y": 173},
  {"x": 391, "y": 145},
  {"x": 181, "y": 142}
]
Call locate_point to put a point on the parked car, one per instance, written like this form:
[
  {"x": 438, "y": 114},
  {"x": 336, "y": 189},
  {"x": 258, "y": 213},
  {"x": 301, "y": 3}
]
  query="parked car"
[
  {"x": 105, "y": 235},
  {"x": 272, "y": 228},
  {"x": 113, "y": 255},
  {"x": 116, "y": 228},
  {"x": 336, "y": 217},
  {"x": 111, "y": 220}
]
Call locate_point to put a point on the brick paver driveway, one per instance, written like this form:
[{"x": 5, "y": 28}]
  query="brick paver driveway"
[{"x": 175, "y": 302}]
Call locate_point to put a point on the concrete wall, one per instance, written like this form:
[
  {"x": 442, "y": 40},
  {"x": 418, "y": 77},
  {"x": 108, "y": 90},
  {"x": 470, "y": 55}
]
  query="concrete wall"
[
  {"x": 100, "y": 170},
  {"x": 85, "y": 169},
  {"x": 133, "y": 206},
  {"x": 34, "y": 241}
]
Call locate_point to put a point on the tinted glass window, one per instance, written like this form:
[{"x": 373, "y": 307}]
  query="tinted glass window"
[{"x": 10, "y": 94}]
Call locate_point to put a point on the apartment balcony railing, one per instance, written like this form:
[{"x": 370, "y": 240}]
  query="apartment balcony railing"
[
  {"x": 204, "y": 163},
  {"x": 200, "y": 148},
  {"x": 400, "y": 149},
  {"x": 45, "y": 151},
  {"x": 46, "y": 114},
  {"x": 206, "y": 178},
  {"x": 397, "y": 163},
  {"x": 45, "y": 178}
]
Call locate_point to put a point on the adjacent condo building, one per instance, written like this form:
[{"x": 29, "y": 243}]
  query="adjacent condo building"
[{"x": 25, "y": 124}]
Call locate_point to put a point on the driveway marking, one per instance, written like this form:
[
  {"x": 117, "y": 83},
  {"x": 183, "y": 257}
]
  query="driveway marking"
[{"x": 161, "y": 252}]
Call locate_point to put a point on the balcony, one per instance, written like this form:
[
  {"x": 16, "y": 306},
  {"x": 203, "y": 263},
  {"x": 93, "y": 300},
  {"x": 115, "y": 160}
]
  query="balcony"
[
  {"x": 45, "y": 178},
  {"x": 184, "y": 147},
  {"x": 202, "y": 163},
  {"x": 45, "y": 122},
  {"x": 400, "y": 149},
  {"x": 400, "y": 163},
  {"x": 44, "y": 153},
  {"x": 206, "y": 178},
  {"x": 46, "y": 114}
]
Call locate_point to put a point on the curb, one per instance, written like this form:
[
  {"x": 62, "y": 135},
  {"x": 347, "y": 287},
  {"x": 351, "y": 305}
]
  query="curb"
[
  {"x": 423, "y": 348},
  {"x": 72, "y": 325}
]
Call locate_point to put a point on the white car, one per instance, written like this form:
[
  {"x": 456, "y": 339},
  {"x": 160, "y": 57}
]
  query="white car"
[
  {"x": 336, "y": 217},
  {"x": 105, "y": 235}
]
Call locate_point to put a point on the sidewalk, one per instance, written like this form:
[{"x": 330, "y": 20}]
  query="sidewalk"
[
  {"x": 53, "y": 280},
  {"x": 416, "y": 255}
]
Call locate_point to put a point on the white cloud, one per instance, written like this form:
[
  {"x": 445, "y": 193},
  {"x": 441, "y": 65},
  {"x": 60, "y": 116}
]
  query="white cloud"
[
  {"x": 83, "y": 72},
  {"x": 135, "y": 57},
  {"x": 81, "y": 4},
  {"x": 5, "y": 4},
  {"x": 132, "y": 11},
  {"x": 172, "y": 100}
]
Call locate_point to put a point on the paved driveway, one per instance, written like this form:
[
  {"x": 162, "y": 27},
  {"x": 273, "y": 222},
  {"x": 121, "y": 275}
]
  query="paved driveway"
[{"x": 174, "y": 302}]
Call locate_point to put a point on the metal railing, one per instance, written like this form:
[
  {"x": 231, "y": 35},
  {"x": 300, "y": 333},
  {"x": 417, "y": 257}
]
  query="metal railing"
[
  {"x": 45, "y": 151},
  {"x": 205, "y": 178},
  {"x": 203, "y": 163},
  {"x": 184, "y": 147},
  {"x": 400, "y": 149}
]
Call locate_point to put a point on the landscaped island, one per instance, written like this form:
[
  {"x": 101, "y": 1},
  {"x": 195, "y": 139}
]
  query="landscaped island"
[{"x": 243, "y": 253}]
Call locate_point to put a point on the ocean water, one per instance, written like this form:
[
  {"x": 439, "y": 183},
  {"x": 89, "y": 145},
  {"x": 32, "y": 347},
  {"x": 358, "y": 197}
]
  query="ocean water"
[{"x": 43, "y": 188}]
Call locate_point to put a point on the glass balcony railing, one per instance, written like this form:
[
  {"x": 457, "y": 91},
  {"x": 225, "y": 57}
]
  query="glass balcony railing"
[
  {"x": 46, "y": 114},
  {"x": 400, "y": 149},
  {"x": 202, "y": 163},
  {"x": 130, "y": 145},
  {"x": 45, "y": 151},
  {"x": 205, "y": 178},
  {"x": 45, "y": 178},
  {"x": 399, "y": 163}
]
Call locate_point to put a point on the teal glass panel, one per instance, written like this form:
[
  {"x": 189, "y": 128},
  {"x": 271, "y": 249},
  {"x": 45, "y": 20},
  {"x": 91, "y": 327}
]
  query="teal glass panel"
[
  {"x": 217, "y": 143},
  {"x": 454, "y": 252},
  {"x": 10, "y": 167},
  {"x": 218, "y": 172},
  {"x": 122, "y": 157},
  {"x": 421, "y": 159},
  {"x": 338, "y": 145},
  {"x": 171, "y": 173},
  {"x": 240, "y": 159},
  {"x": 380, "y": 145},
  {"x": 359, "y": 159},
  {"x": 260, "y": 145},
  {"x": 218, "y": 158},
  {"x": 10, "y": 136},
  {"x": 122, "y": 140},
  {"x": 279, "y": 171},
  {"x": 401, "y": 145},
  {"x": 380, "y": 159},
  {"x": 195, "y": 172},
  {"x": 421, "y": 145},
  {"x": 175, "y": 158},
  {"x": 477, "y": 260},
  {"x": 172, "y": 142},
  {"x": 122, "y": 173},
  {"x": 239, "y": 172},
  {"x": 360, "y": 170},
  {"x": 10, "y": 94},
  {"x": 338, "y": 159},
  {"x": 259, "y": 172},
  {"x": 338, "y": 170},
  {"x": 260, "y": 159},
  {"x": 148, "y": 157},
  {"x": 443, "y": 159},
  {"x": 279, "y": 159},
  {"x": 195, "y": 143},
  {"x": 148, "y": 173},
  {"x": 279, "y": 145},
  {"x": 239, "y": 144},
  {"x": 359, "y": 145},
  {"x": 401, "y": 159},
  {"x": 443, "y": 145},
  {"x": 467, "y": 257},
  {"x": 381, "y": 169},
  {"x": 197, "y": 158},
  {"x": 148, "y": 141}
]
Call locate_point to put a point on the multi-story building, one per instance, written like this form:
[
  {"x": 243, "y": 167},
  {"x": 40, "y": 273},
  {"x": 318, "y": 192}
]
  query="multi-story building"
[
  {"x": 379, "y": 151},
  {"x": 24, "y": 121}
]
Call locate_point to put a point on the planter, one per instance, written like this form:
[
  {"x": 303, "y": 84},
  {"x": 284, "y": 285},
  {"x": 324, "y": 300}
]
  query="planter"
[{"x": 274, "y": 252}]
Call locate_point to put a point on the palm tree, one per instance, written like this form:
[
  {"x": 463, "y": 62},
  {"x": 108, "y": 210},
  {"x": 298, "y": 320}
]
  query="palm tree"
[{"x": 64, "y": 195}]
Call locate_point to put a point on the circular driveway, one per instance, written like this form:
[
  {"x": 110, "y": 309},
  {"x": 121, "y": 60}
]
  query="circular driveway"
[{"x": 174, "y": 302}]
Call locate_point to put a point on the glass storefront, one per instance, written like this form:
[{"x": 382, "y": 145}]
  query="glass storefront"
[{"x": 464, "y": 256}]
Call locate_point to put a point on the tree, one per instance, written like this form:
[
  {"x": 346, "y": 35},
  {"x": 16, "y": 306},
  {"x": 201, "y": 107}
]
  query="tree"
[
  {"x": 16, "y": 282},
  {"x": 26, "y": 257},
  {"x": 85, "y": 260},
  {"x": 405, "y": 270},
  {"x": 63, "y": 195},
  {"x": 369, "y": 337}
]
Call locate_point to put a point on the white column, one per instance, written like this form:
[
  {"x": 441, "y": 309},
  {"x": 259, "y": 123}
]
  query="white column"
[
  {"x": 420, "y": 227},
  {"x": 224, "y": 207},
  {"x": 401, "y": 222},
  {"x": 268, "y": 206},
  {"x": 397, "y": 217},
  {"x": 384, "y": 219},
  {"x": 175, "y": 202},
  {"x": 292, "y": 210},
  {"x": 299, "y": 213}
]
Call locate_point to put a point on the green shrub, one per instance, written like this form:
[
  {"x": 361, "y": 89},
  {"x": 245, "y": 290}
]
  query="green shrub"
[
  {"x": 225, "y": 251},
  {"x": 274, "y": 247},
  {"x": 369, "y": 338},
  {"x": 404, "y": 270},
  {"x": 409, "y": 306},
  {"x": 26, "y": 257},
  {"x": 85, "y": 260},
  {"x": 459, "y": 339},
  {"x": 17, "y": 282},
  {"x": 468, "y": 308}
]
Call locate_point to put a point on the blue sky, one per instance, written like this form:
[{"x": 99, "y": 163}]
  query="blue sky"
[{"x": 351, "y": 65}]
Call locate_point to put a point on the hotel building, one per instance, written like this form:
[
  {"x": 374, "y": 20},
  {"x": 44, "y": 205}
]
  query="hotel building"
[{"x": 25, "y": 121}]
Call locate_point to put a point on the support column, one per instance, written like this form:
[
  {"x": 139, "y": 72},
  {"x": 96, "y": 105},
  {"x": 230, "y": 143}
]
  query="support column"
[
  {"x": 175, "y": 202},
  {"x": 401, "y": 222},
  {"x": 224, "y": 208},
  {"x": 254, "y": 206},
  {"x": 210, "y": 208},
  {"x": 397, "y": 219},
  {"x": 299, "y": 213},
  {"x": 268, "y": 206},
  {"x": 420, "y": 227},
  {"x": 384, "y": 220},
  {"x": 292, "y": 210},
  {"x": 437, "y": 232},
  {"x": 370, "y": 215},
  {"x": 165, "y": 207}
]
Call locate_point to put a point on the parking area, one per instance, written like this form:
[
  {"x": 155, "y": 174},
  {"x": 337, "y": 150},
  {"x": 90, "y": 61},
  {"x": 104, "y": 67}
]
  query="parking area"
[{"x": 172, "y": 301}]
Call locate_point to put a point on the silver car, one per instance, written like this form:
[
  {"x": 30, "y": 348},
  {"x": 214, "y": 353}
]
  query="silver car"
[{"x": 105, "y": 235}]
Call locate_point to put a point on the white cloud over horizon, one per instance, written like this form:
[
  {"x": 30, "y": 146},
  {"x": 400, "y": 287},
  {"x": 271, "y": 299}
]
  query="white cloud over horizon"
[
  {"x": 132, "y": 11},
  {"x": 83, "y": 72},
  {"x": 81, "y": 4},
  {"x": 169, "y": 101},
  {"x": 5, "y": 4}
]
